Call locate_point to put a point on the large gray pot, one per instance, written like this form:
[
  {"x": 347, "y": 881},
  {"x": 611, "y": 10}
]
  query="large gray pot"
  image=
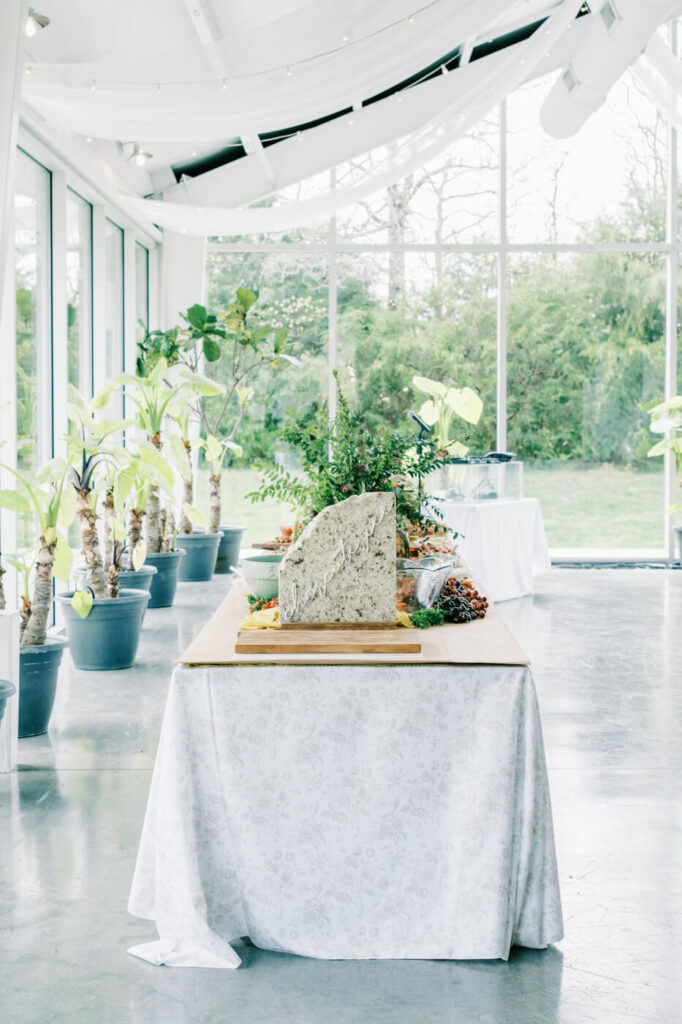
[
  {"x": 678, "y": 533},
  {"x": 107, "y": 639},
  {"x": 228, "y": 549},
  {"x": 165, "y": 583},
  {"x": 130, "y": 579},
  {"x": 38, "y": 671},
  {"x": 201, "y": 552},
  {"x": 6, "y": 691}
]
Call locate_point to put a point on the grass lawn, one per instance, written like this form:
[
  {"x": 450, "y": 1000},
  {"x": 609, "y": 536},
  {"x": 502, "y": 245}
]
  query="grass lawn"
[{"x": 583, "y": 507}]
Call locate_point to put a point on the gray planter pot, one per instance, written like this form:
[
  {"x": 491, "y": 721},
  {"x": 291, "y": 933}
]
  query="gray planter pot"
[
  {"x": 165, "y": 582},
  {"x": 6, "y": 691},
  {"x": 38, "y": 671},
  {"x": 133, "y": 579},
  {"x": 228, "y": 549},
  {"x": 678, "y": 533},
  {"x": 201, "y": 552},
  {"x": 107, "y": 639}
]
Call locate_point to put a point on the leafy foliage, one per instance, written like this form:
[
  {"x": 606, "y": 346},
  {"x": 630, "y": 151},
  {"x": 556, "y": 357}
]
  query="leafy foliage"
[{"x": 344, "y": 458}]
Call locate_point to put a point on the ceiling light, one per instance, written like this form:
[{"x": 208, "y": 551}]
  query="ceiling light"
[
  {"x": 139, "y": 156},
  {"x": 35, "y": 22}
]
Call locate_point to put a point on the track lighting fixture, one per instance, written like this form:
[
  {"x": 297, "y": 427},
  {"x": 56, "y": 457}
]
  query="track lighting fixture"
[{"x": 35, "y": 21}]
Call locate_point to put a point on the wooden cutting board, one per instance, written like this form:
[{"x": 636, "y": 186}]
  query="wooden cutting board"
[{"x": 328, "y": 641}]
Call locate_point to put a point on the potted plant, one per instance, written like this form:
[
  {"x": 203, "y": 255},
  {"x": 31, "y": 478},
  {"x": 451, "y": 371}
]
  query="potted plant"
[
  {"x": 344, "y": 457},
  {"x": 40, "y": 656},
  {"x": 246, "y": 345},
  {"x": 102, "y": 622},
  {"x": 666, "y": 418},
  {"x": 152, "y": 395},
  {"x": 444, "y": 403},
  {"x": 230, "y": 536}
]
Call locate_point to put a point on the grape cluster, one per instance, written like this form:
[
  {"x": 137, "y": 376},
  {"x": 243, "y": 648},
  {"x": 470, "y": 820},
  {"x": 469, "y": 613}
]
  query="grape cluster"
[{"x": 461, "y": 602}]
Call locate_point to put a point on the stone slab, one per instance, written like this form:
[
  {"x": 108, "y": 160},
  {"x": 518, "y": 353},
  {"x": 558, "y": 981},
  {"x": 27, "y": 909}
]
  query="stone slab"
[{"x": 342, "y": 567}]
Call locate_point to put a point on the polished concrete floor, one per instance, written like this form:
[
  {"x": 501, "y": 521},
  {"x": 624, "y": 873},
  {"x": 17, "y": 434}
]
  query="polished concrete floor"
[{"x": 607, "y": 656}]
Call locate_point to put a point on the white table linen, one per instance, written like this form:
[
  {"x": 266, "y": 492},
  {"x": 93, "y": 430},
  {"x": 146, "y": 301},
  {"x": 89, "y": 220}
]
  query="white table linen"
[
  {"x": 503, "y": 543},
  {"x": 348, "y": 812}
]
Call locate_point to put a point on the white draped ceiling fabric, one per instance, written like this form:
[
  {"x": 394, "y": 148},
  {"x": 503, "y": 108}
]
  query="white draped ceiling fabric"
[{"x": 183, "y": 75}]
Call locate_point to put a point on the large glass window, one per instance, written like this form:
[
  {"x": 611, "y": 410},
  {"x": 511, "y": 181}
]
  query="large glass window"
[
  {"x": 141, "y": 286},
  {"x": 79, "y": 291},
  {"x": 561, "y": 310},
  {"x": 33, "y": 299},
  {"x": 113, "y": 305}
]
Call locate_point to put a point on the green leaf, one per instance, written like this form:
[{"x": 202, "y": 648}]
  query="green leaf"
[
  {"x": 465, "y": 403},
  {"x": 246, "y": 298},
  {"x": 211, "y": 350},
  {"x": 201, "y": 385},
  {"x": 63, "y": 559},
  {"x": 178, "y": 456},
  {"x": 14, "y": 502},
  {"x": 124, "y": 484},
  {"x": 429, "y": 412},
  {"x": 194, "y": 515},
  {"x": 659, "y": 448},
  {"x": 67, "y": 507},
  {"x": 81, "y": 602},
  {"x": 280, "y": 339},
  {"x": 139, "y": 554},
  {"x": 196, "y": 316},
  {"x": 431, "y": 387}
]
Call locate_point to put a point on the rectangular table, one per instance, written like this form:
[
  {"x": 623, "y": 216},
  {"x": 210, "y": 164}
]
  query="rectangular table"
[{"x": 348, "y": 811}]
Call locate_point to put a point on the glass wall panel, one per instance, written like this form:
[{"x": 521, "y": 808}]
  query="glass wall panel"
[
  {"x": 79, "y": 291},
  {"x": 451, "y": 199},
  {"x": 141, "y": 286},
  {"x": 294, "y": 294},
  {"x": 606, "y": 183},
  {"x": 432, "y": 314},
  {"x": 113, "y": 305},
  {"x": 586, "y": 351},
  {"x": 33, "y": 304}
]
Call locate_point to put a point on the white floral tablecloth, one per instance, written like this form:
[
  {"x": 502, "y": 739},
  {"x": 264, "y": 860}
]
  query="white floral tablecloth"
[{"x": 348, "y": 812}]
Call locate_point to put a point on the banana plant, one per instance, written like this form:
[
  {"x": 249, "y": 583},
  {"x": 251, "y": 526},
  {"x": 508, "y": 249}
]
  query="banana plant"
[
  {"x": 50, "y": 501},
  {"x": 140, "y": 471},
  {"x": 89, "y": 453},
  {"x": 180, "y": 447},
  {"x": 215, "y": 451},
  {"x": 445, "y": 403},
  {"x": 23, "y": 565}
]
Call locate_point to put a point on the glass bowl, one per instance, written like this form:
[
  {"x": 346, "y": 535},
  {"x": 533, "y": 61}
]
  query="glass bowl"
[{"x": 420, "y": 581}]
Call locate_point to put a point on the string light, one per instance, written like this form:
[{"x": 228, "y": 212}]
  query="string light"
[
  {"x": 223, "y": 84},
  {"x": 93, "y": 85},
  {"x": 445, "y": 69},
  {"x": 28, "y": 69},
  {"x": 288, "y": 71},
  {"x": 299, "y": 136},
  {"x": 158, "y": 88}
]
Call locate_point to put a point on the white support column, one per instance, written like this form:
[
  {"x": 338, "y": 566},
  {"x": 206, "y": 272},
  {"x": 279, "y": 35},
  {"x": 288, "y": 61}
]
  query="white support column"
[
  {"x": 12, "y": 20},
  {"x": 99, "y": 284},
  {"x": 672, "y": 226},
  {"x": 182, "y": 275},
  {"x": 129, "y": 305},
  {"x": 9, "y": 671},
  {"x": 8, "y": 421},
  {"x": 155, "y": 315},
  {"x": 501, "y": 411},
  {"x": 60, "y": 361},
  {"x": 332, "y": 272}
]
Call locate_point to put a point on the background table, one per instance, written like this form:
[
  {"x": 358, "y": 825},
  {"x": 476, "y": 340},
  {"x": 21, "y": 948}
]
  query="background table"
[
  {"x": 503, "y": 543},
  {"x": 348, "y": 811}
]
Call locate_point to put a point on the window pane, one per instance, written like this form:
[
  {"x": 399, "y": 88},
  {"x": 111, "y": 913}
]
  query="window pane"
[
  {"x": 113, "y": 260},
  {"x": 294, "y": 294},
  {"x": 586, "y": 351},
  {"x": 428, "y": 314},
  {"x": 33, "y": 298},
  {"x": 141, "y": 286},
  {"x": 453, "y": 198},
  {"x": 79, "y": 291},
  {"x": 606, "y": 183}
]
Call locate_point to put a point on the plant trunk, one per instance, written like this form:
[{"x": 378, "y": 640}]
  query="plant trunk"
[
  {"x": 214, "y": 504},
  {"x": 3, "y": 604},
  {"x": 108, "y": 535},
  {"x": 41, "y": 603},
  {"x": 97, "y": 577},
  {"x": 113, "y": 581},
  {"x": 134, "y": 535},
  {"x": 24, "y": 616},
  {"x": 187, "y": 493},
  {"x": 168, "y": 529},
  {"x": 153, "y": 523}
]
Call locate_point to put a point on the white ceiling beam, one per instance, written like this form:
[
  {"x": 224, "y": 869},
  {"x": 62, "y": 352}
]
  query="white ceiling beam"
[{"x": 206, "y": 27}]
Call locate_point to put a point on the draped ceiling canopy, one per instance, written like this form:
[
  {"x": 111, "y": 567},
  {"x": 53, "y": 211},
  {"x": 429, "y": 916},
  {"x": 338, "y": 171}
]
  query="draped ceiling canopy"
[{"x": 228, "y": 101}]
